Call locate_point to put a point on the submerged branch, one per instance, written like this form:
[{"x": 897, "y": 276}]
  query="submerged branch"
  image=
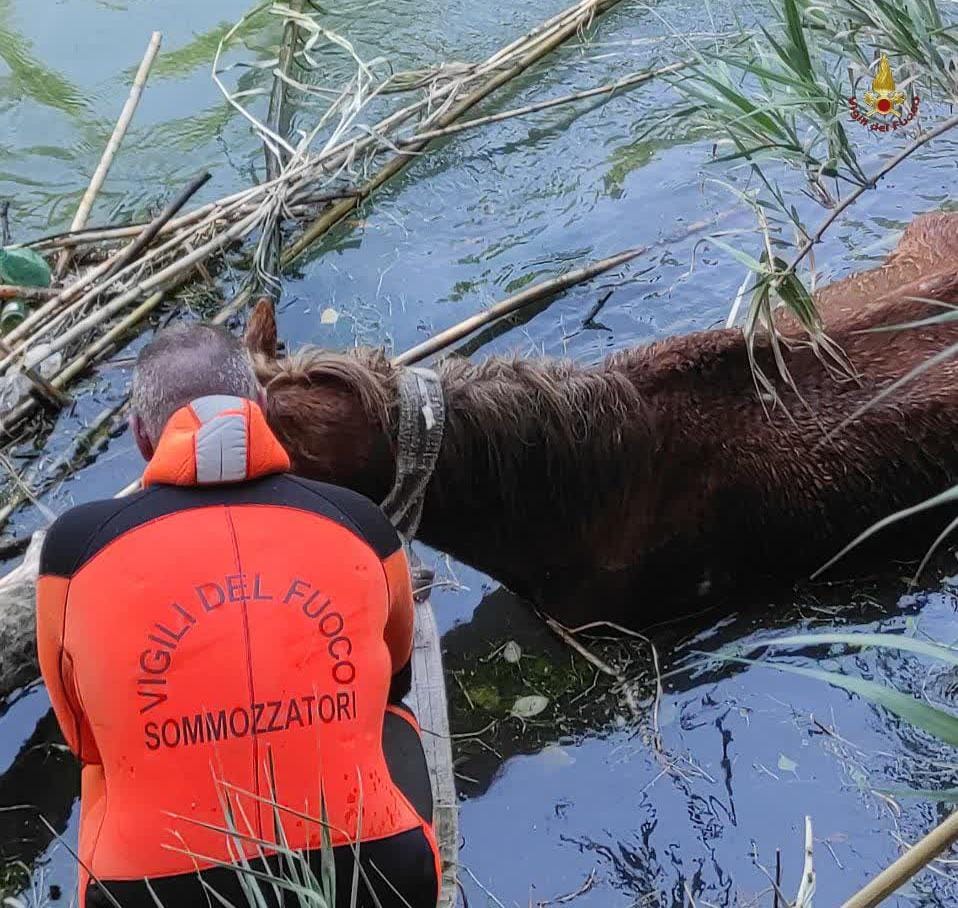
[{"x": 612, "y": 88}]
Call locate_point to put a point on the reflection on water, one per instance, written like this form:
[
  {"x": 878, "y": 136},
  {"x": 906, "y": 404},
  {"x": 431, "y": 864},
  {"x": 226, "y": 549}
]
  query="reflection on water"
[
  {"x": 576, "y": 798},
  {"x": 745, "y": 755}
]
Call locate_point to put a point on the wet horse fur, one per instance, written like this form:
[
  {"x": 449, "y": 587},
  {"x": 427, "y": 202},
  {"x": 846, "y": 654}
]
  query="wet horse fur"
[{"x": 627, "y": 490}]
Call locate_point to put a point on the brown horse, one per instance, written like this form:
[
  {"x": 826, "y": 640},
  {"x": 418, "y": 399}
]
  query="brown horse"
[{"x": 627, "y": 490}]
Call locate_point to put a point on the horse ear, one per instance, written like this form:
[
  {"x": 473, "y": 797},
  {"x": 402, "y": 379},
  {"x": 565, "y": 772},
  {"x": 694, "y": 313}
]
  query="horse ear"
[{"x": 260, "y": 335}]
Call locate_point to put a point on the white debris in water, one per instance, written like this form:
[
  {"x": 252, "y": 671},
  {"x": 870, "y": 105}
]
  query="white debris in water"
[
  {"x": 527, "y": 707},
  {"x": 512, "y": 652}
]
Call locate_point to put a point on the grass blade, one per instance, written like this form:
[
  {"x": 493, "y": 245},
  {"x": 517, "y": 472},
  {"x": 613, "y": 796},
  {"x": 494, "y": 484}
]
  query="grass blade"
[
  {"x": 937, "y": 722},
  {"x": 947, "y": 497},
  {"x": 882, "y": 641},
  {"x": 945, "y": 796}
]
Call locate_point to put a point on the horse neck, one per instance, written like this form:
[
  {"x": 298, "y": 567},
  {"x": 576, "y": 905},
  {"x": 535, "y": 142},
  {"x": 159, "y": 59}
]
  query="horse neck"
[{"x": 533, "y": 454}]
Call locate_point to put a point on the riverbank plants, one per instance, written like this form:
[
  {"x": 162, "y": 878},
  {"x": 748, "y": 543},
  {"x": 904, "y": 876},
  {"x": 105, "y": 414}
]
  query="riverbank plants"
[{"x": 778, "y": 105}]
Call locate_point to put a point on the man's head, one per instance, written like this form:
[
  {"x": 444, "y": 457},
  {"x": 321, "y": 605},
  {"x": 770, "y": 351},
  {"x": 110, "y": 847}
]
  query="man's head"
[{"x": 181, "y": 364}]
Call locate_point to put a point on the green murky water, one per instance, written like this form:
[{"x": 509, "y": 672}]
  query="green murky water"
[{"x": 575, "y": 800}]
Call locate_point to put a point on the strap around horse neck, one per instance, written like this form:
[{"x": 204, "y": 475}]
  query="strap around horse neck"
[{"x": 422, "y": 420}]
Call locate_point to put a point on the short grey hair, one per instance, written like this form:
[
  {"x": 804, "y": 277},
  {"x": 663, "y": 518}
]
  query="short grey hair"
[{"x": 183, "y": 363}]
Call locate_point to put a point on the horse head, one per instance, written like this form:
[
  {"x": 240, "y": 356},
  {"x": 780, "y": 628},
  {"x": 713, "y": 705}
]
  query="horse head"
[{"x": 332, "y": 412}]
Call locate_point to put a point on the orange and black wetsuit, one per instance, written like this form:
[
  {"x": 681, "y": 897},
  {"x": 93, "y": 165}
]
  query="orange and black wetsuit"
[{"x": 235, "y": 630}]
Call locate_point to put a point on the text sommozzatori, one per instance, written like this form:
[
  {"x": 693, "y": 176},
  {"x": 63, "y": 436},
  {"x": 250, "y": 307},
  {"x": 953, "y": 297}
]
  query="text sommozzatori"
[
  {"x": 166, "y": 636},
  {"x": 260, "y": 718}
]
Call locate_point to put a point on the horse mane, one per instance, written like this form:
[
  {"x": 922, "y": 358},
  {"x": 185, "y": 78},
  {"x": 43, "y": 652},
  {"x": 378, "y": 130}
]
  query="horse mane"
[
  {"x": 507, "y": 418},
  {"x": 365, "y": 372},
  {"x": 567, "y": 401}
]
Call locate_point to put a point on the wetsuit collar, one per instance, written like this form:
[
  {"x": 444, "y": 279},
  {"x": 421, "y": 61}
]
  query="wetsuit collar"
[{"x": 213, "y": 440}]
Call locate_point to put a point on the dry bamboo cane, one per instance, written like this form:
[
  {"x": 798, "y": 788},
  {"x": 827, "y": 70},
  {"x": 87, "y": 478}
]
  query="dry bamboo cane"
[
  {"x": 236, "y": 203},
  {"x": 153, "y": 282},
  {"x": 536, "y": 293},
  {"x": 130, "y": 253},
  {"x": 919, "y": 856},
  {"x": 531, "y": 44},
  {"x": 109, "y": 153},
  {"x": 524, "y": 298},
  {"x": 126, "y": 273},
  {"x": 278, "y": 117},
  {"x": 278, "y": 120},
  {"x": 575, "y": 15},
  {"x": 90, "y": 236},
  {"x": 98, "y": 281},
  {"x": 106, "y": 270},
  {"x": 533, "y": 33},
  {"x": 159, "y": 282}
]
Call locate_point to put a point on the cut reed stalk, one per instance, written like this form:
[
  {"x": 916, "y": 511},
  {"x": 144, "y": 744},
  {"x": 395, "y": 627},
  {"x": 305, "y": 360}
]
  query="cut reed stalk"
[
  {"x": 173, "y": 271},
  {"x": 91, "y": 236},
  {"x": 130, "y": 253},
  {"x": 524, "y": 298},
  {"x": 109, "y": 153},
  {"x": 806, "y": 889},
  {"x": 537, "y": 293},
  {"x": 127, "y": 273},
  {"x": 278, "y": 117},
  {"x": 919, "y": 856}
]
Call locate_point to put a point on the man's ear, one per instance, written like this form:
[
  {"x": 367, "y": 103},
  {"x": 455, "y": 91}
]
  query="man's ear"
[{"x": 142, "y": 438}]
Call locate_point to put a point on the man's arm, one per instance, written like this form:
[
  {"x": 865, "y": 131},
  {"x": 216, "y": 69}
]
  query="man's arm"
[
  {"x": 400, "y": 623},
  {"x": 56, "y": 666},
  {"x": 58, "y": 560}
]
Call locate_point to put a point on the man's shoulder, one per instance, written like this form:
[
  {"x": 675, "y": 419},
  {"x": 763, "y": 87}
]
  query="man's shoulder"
[
  {"x": 78, "y": 534},
  {"x": 361, "y": 514},
  {"x": 70, "y": 537}
]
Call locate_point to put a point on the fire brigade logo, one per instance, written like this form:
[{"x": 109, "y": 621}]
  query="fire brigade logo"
[{"x": 884, "y": 105}]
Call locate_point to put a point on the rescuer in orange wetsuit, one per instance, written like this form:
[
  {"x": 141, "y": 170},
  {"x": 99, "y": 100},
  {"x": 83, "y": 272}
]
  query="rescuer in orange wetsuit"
[{"x": 233, "y": 641}]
